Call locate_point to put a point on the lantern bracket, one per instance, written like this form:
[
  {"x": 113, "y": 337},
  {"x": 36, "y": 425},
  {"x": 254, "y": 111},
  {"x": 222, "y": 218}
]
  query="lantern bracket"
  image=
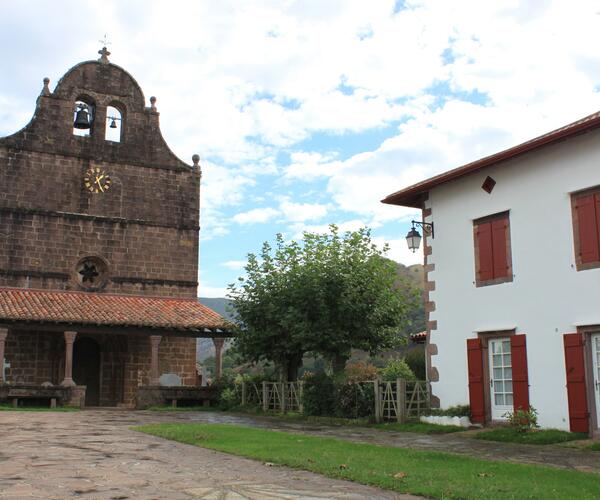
[{"x": 426, "y": 226}]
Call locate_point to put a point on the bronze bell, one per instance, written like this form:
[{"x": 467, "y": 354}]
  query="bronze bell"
[
  {"x": 82, "y": 119},
  {"x": 113, "y": 124}
]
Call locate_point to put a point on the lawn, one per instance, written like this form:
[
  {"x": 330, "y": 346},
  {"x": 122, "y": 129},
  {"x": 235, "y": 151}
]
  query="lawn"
[
  {"x": 593, "y": 447},
  {"x": 430, "y": 474},
  {"x": 420, "y": 427},
  {"x": 181, "y": 408},
  {"x": 5, "y": 407},
  {"x": 543, "y": 436}
]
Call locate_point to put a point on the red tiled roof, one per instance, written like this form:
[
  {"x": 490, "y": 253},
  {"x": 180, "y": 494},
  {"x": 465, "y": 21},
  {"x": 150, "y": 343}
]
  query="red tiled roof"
[
  {"x": 18, "y": 304},
  {"x": 412, "y": 195}
]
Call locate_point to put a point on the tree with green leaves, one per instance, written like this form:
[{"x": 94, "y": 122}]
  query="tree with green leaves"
[{"x": 326, "y": 295}]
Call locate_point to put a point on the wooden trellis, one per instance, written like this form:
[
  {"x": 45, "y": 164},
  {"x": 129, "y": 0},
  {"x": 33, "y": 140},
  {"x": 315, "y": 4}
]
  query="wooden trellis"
[
  {"x": 252, "y": 394},
  {"x": 400, "y": 400},
  {"x": 274, "y": 396},
  {"x": 395, "y": 401}
]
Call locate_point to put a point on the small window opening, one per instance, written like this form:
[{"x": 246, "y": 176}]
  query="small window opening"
[
  {"x": 114, "y": 124},
  {"x": 83, "y": 118},
  {"x": 488, "y": 185}
]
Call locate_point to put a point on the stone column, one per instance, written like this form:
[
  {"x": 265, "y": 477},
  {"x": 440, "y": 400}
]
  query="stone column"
[
  {"x": 218, "y": 357},
  {"x": 3, "y": 335},
  {"x": 154, "y": 375},
  {"x": 69, "y": 341}
]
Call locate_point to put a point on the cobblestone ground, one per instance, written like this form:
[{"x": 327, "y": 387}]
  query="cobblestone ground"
[{"x": 93, "y": 454}]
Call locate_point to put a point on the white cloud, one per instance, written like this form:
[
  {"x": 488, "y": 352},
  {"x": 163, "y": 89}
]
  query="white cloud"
[
  {"x": 256, "y": 216},
  {"x": 211, "y": 291},
  {"x": 243, "y": 83},
  {"x": 308, "y": 165},
  {"x": 298, "y": 212},
  {"x": 236, "y": 265}
]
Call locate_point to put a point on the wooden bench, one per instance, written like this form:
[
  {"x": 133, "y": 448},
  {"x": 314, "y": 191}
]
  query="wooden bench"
[{"x": 52, "y": 394}]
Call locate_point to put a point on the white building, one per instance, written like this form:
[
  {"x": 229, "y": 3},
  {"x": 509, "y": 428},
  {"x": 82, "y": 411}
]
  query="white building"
[{"x": 513, "y": 279}]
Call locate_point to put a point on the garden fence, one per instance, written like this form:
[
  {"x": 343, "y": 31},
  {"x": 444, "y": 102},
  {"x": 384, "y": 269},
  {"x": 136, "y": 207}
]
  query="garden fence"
[
  {"x": 274, "y": 396},
  {"x": 401, "y": 399},
  {"x": 394, "y": 401}
]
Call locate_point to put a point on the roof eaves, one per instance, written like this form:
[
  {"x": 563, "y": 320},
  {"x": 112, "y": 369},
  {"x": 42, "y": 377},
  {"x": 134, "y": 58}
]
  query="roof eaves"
[{"x": 412, "y": 195}]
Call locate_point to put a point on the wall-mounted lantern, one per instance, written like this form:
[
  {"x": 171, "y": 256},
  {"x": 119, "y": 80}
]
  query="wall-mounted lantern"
[{"x": 413, "y": 238}]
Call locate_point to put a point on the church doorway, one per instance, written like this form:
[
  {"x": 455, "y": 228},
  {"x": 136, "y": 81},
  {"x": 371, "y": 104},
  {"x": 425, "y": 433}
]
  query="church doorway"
[{"x": 86, "y": 368}]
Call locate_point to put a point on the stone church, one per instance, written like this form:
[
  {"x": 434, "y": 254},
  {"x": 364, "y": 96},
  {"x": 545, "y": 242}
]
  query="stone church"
[{"x": 99, "y": 227}]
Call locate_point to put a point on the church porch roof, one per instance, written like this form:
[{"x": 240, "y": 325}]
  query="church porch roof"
[{"x": 108, "y": 310}]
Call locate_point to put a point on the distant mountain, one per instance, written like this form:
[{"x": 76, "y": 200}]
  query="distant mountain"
[
  {"x": 217, "y": 304},
  {"x": 205, "y": 347}
]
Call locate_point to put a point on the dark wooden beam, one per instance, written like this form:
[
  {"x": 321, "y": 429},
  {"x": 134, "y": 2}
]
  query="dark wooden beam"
[{"x": 114, "y": 329}]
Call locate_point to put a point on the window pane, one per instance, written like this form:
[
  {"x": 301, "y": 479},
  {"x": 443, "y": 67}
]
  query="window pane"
[
  {"x": 508, "y": 386},
  {"x": 499, "y": 399},
  {"x": 497, "y": 359},
  {"x": 506, "y": 345},
  {"x": 497, "y": 373},
  {"x": 508, "y": 374},
  {"x": 507, "y": 360},
  {"x": 498, "y": 386},
  {"x": 509, "y": 399}
]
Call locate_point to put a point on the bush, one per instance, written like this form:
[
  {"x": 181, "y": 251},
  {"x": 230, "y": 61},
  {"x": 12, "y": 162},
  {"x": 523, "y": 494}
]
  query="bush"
[
  {"x": 360, "y": 371},
  {"x": 452, "y": 411},
  {"x": 228, "y": 398},
  {"x": 415, "y": 359},
  {"x": 319, "y": 395},
  {"x": 523, "y": 420},
  {"x": 397, "y": 368},
  {"x": 355, "y": 400}
]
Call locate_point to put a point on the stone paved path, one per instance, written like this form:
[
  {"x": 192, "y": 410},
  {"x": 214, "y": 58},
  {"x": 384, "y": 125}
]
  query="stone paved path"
[
  {"x": 94, "y": 455},
  {"x": 550, "y": 455}
]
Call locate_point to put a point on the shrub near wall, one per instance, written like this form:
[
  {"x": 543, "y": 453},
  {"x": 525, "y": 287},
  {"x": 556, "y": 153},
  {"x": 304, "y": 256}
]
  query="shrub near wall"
[
  {"x": 319, "y": 395},
  {"x": 355, "y": 400},
  {"x": 324, "y": 397}
]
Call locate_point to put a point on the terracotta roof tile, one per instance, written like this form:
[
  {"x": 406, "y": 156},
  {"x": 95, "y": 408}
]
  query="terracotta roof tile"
[{"x": 107, "y": 310}]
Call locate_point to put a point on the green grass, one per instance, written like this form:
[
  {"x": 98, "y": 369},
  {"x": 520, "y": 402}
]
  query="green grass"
[
  {"x": 182, "y": 408},
  {"x": 593, "y": 447},
  {"x": 544, "y": 436},
  {"x": 5, "y": 407},
  {"x": 420, "y": 427},
  {"x": 430, "y": 474}
]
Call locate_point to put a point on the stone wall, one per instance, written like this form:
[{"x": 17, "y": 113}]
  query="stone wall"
[
  {"x": 38, "y": 357},
  {"x": 145, "y": 226}
]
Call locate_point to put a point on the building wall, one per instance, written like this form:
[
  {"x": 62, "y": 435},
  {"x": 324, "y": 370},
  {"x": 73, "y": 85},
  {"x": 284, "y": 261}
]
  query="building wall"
[
  {"x": 145, "y": 226},
  {"x": 36, "y": 357},
  {"x": 547, "y": 298}
]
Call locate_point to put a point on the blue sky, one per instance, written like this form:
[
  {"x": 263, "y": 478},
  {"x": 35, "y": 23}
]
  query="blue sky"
[{"x": 309, "y": 112}]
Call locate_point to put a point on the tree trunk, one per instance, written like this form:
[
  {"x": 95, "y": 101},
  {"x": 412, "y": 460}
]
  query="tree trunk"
[
  {"x": 338, "y": 363},
  {"x": 293, "y": 366}
]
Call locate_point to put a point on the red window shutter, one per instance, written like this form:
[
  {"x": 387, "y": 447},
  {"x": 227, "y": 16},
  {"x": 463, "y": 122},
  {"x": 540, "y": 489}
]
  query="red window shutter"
[
  {"x": 500, "y": 261},
  {"x": 475, "y": 366},
  {"x": 483, "y": 233},
  {"x": 518, "y": 351},
  {"x": 587, "y": 221},
  {"x": 576, "y": 390}
]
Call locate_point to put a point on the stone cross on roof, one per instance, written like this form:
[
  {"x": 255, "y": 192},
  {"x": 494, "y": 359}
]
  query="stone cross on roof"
[{"x": 104, "y": 53}]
